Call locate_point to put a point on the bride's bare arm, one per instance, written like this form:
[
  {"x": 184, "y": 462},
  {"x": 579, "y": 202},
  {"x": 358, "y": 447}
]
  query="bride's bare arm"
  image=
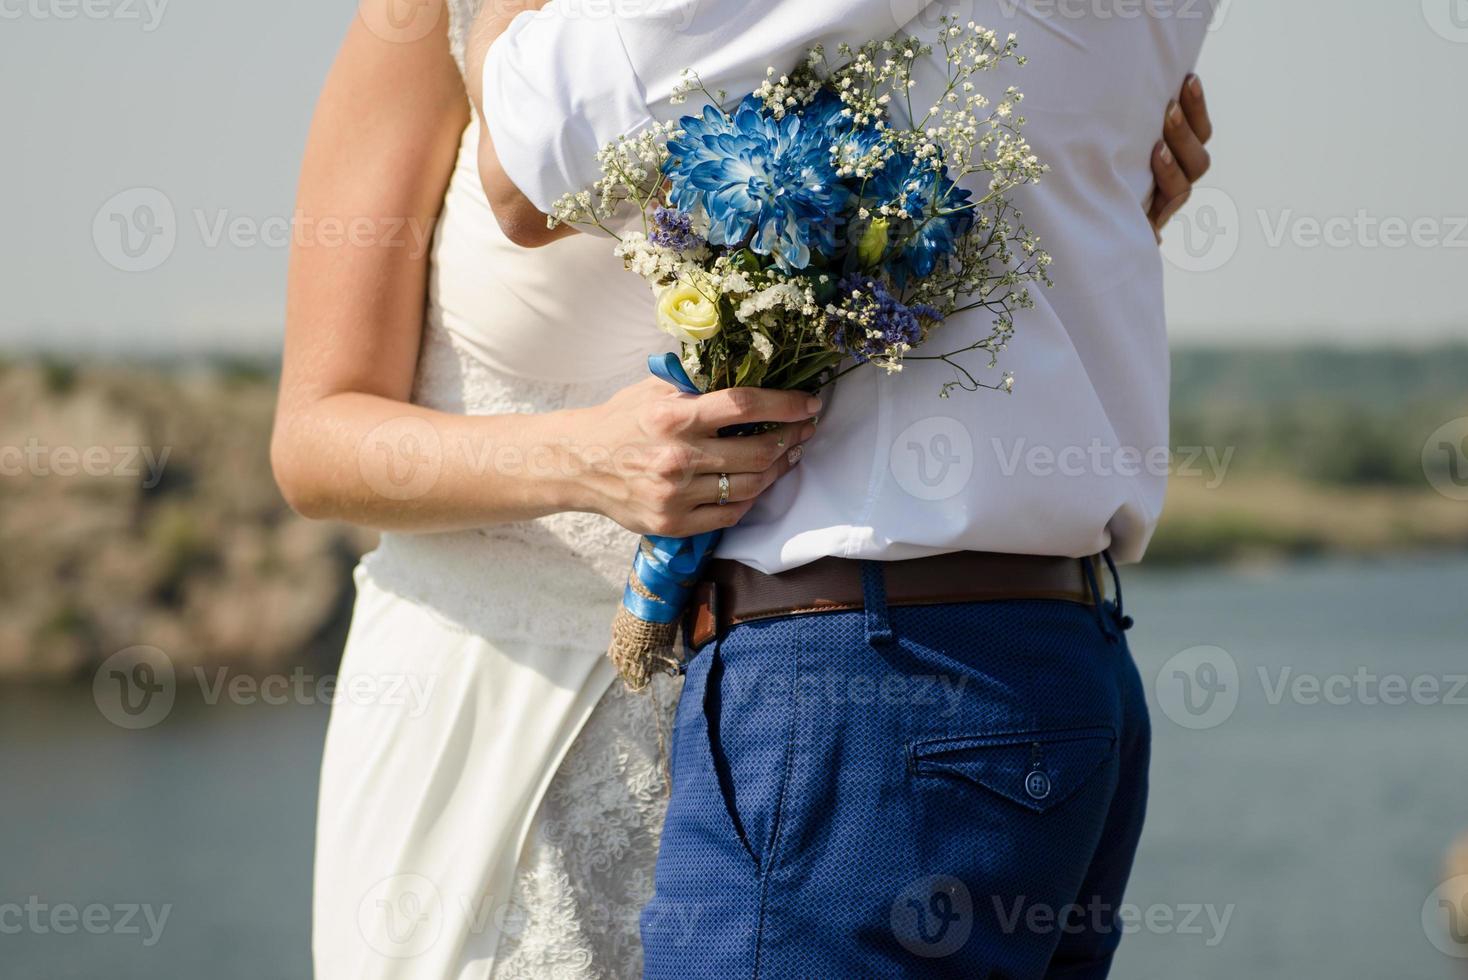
[{"x": 348, "y": 446}]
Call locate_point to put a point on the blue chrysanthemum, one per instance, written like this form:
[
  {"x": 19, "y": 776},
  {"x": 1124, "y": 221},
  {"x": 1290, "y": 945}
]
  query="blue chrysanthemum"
[
  {"x": 844, "y": 140},
  {"x": 760, "y": 181},
  {"x": 938, "y": 215}
]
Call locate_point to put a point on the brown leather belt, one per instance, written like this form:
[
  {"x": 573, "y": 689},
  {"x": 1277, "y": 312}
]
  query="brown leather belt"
[{"x": 731, "y": 593}]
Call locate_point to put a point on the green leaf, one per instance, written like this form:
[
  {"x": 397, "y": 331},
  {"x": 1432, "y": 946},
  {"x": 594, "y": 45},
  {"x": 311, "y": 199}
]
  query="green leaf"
[
  {"x": 804, "y": 373},
  {"x": 751, "y": 372},
  {"x": 747, "y": 260}
]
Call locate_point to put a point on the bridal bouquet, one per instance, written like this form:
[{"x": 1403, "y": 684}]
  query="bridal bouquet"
[{"x": 816, "y": 225}]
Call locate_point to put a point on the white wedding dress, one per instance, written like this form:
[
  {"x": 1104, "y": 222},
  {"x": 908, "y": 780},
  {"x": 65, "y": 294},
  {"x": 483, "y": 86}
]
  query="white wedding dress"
[{"x": 490, "y": 798}]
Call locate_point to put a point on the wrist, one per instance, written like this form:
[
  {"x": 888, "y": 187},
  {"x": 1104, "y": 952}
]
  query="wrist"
[{"x": 566, "y": 485}]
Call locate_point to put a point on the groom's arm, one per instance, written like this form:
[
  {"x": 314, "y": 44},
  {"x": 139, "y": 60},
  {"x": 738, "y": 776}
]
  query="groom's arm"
[
  {"x": 518, "y": 218},
  {"x": 555, "y": 85}
]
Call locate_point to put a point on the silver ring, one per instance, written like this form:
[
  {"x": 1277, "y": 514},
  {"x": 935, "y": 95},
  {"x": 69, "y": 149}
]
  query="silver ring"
[{"x": 723, "y": 489}]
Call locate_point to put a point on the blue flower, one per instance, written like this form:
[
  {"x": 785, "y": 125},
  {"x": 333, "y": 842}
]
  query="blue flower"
[
  {"x": 938, "y": 215},
  {"x": 872, "y": 321},
  {"x": 843, "y": 139},
  {"x": 760, "y": 181}
]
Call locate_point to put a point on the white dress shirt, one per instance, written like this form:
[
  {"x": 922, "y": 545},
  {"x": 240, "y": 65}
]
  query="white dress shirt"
[{"x": 1075, "y": 460}]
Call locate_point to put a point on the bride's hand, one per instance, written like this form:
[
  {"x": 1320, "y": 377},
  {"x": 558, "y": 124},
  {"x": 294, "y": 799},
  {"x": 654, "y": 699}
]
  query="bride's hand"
[{"x": 650, "y": 458}]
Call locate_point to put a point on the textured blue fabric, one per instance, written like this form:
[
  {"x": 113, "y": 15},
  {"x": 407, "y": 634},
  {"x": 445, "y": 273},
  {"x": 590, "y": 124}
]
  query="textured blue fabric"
[{"x": 947, "y": 791}]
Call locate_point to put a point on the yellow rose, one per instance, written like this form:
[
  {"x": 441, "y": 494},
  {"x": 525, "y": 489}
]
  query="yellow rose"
[{"x": 689, "y": 311}]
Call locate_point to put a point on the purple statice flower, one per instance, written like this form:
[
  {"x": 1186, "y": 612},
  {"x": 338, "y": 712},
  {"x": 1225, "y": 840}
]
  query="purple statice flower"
[
  {"x": 674, "y": 229},
  {"x": 868, "y": 322}
]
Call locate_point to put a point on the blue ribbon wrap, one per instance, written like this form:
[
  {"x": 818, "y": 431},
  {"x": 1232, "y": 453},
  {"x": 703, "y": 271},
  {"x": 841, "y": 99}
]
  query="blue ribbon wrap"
[{"x": 668, "y": 568}]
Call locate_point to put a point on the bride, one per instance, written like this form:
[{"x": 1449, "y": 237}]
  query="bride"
[{"x": 490, "y": 799}]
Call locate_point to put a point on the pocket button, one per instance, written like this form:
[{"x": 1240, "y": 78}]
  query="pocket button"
[{"x": 1037, "y": 784}]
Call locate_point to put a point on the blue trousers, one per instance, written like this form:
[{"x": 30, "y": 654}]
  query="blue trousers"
[{"x": 947, "y": 791}]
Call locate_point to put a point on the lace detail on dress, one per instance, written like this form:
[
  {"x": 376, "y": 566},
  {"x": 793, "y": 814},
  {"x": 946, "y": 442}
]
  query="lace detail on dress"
[
  {"x": 586, "y": 871},
  {"x": 461, "y": 16}
]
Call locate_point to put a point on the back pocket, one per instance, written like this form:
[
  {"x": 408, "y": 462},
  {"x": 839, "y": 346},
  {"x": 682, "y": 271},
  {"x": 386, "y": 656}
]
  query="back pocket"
[{"x": 1037, "y": 770}]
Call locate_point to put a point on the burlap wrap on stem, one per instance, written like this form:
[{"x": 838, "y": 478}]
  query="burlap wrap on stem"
[{"x": 640, "y": 649}]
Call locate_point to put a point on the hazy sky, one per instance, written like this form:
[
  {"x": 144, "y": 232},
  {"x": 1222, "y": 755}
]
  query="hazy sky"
[{"x": 1338, "y": 207}]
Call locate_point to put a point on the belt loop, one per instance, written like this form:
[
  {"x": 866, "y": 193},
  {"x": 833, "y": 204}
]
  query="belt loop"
[
  {"x": 874, "y": 596},
  {"x": 714, "y": 611},
  {"x": 705, "y": 593},
  {"x": 1088, "y": 567},
  {"x": 1122, "y": 619}
]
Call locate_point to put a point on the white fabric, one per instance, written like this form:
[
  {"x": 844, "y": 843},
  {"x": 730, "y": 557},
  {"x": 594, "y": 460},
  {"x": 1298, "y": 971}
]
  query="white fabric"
[
  {"x": 587, "y": 869},
  {"x": 445, "y": 813},
  {"x": 1074, "y": 461}
]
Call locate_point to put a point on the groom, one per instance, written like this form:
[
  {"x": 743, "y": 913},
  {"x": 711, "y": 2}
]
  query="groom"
[{"x": 912, "y": 742}]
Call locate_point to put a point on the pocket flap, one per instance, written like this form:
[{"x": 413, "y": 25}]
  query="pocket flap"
[{"x": 1037, "y": 770}]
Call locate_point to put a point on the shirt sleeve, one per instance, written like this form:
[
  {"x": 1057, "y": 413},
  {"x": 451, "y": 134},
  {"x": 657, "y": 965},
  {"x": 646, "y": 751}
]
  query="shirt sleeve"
[{"x": 563, "y": 82}]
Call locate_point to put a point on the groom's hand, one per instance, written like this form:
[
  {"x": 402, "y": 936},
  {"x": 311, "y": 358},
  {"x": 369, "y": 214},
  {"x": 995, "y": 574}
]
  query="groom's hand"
[{"x": 1180, "y": 158}]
